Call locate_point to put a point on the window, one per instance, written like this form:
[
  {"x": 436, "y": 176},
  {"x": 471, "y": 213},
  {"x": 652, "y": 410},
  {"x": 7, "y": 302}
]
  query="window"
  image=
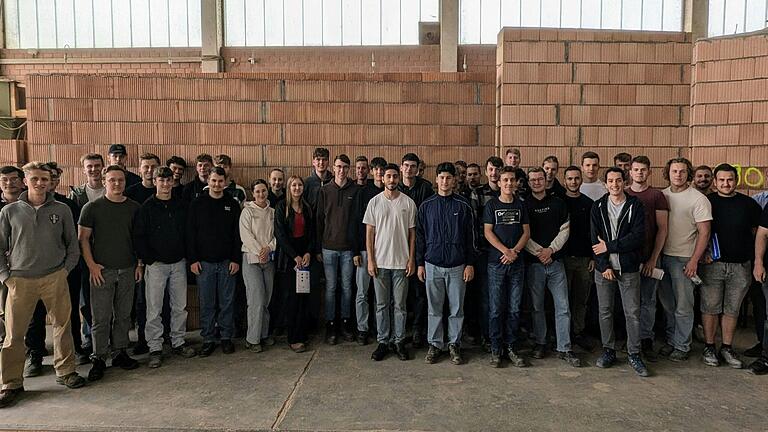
[{"x": 737, "y": 16}]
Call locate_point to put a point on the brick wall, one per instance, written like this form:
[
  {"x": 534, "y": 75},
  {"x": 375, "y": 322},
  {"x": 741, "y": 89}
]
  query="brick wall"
[
  {"x": 564, "y": 92},
  {"x": 729, "y": 105},
  {"x": 261, "y": 120}
]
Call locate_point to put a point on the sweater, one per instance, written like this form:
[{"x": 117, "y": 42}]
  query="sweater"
[
  {"x": 36, "y": 242},
  {"x": 159, "y": 231},
  {"x": 337, "y": 217},
  {"x": 213, "y": 233},
  {"x": 257, "y": 227}
]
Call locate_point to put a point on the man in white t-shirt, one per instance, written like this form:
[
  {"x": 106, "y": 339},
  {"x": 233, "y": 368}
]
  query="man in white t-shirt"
[
  {"x": 591, "y": 186},
  {"x": 390, "y": 220},
  {"x": 690, "y": 216}
]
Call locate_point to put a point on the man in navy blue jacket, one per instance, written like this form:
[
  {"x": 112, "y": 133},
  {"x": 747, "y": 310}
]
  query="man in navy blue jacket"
[
  {"x": 446, "y": 254},
  {"x": 618, "y": 233}
]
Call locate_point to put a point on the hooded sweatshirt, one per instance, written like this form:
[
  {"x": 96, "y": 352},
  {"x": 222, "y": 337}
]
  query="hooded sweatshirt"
[
  {"x": 257, "y": 226},
  {"x": 36, "y": 242}
]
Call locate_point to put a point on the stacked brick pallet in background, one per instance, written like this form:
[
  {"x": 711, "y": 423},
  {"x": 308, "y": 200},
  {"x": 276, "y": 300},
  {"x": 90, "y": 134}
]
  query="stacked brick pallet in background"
[
  {"x": 729, "y": 107},
  {"x": 563, "y": 92},
  {"x": 261, "y": 120}
]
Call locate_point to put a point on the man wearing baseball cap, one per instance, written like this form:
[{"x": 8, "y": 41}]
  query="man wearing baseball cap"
[{"x": 117, "y": 156}]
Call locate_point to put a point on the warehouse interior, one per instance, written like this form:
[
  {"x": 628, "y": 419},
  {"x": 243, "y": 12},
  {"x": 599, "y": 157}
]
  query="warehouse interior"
[{"x": 448, "y": 89}]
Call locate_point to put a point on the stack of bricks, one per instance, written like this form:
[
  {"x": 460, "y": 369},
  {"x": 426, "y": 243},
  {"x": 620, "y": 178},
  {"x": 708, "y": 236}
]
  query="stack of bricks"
[
  {"x": 563, "y": 92},
  {"x": 729, "y": 107},
  {"x": 261, "y": 120}
]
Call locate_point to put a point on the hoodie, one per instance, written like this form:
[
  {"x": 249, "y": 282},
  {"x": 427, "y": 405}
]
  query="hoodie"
[
  {"x": 629, "y": 238},
  {"x": 257, "y": 226}
]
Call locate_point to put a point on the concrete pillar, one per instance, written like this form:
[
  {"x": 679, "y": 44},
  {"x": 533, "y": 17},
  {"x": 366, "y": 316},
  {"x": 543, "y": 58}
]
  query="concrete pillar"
[
  {"x": 696, "y": 18},
  {"x": 211, "y": 27},
  {"x": 449, "y": 35}
]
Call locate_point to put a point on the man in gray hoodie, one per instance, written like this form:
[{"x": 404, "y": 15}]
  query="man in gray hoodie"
[{"x": 33, "y": 273}]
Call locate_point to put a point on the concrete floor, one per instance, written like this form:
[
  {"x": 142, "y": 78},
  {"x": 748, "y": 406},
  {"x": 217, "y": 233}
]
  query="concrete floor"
[{"x": 340, "y": 388}]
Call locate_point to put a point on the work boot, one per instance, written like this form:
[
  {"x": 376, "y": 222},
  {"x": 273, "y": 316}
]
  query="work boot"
[
  {"x": 185, "y": 351},
  {"x": 401, "y": 351},
  {"x": 570, "y": 358},
  {"x": 123, "y": 361},
  {"x": 330, "y": 333},
  {"x": 346, "y": 331},
  {"x": 516, "y": 359},
  {"x": 97, "y": 369},
  {"x": 72, "y": 381},
  {"x": 432, "y": 355},
  {"x": 455, "y": 351},
  {"x": 155, "y": 359},
  {"x": 10, "y": 396},
  {"x": 362, "y": 337},
  {"x": 381, "y": 351},
  {"x": 33, "y": 368}
]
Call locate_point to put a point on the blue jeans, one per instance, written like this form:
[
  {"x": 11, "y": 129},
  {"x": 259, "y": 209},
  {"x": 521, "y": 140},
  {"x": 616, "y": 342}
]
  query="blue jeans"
[
  {"x": 162, "y": 279},
  {"x": 441, "y": 283},
  {"x": 552, "y": 277},
  {"x": 505, "y": 289},
  {"x": 363, "y": 282},
  {"x": 332, "y": 260},
  {"x": 217, "y": 287},
  {"x": 391, "y": 288},
  {"x": 676, "y": 296}
]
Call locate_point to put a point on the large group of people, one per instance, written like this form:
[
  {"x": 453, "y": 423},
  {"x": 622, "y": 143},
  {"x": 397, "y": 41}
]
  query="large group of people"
[{"x": 516, "y": 256}]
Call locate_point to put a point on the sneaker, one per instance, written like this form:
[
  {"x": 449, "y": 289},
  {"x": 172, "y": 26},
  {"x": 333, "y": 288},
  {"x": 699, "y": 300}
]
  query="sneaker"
[
  {"x": 584, "y": 342},
  {"x": 637, "y": 364},
  {"x": 33, "y": 368},
  {"x": 207, "y": 349},
  {"x": 362, "y": 337},
  {"x": 381, "y": 351},
  {"x": 495, "y": 359},
  {"x": 755, "y": 351},
  {"x": 10, "y": 396},
  {"x": 516, "y": 359},
  {"x": 646, "y": 347},
  {"x": 666, "y": 350},
  {"x": 140, "y": 348},
  {"x": 97, "y": 369},
  {"x": 298, "y": 347},
  {"x": 678, "y": 356},
  {"x": 346, "y": 331},
  {"x": 254, "y": 348},
  {"x": 227, "y": 347},
  {"x": 730, "y": 357},
  {"x": 455, "y": 352},
  {"x": 539, "y": 351},
  {"x": 607, "y": 359},
  {"x": 709, "y": 356},
  {"x": 401, "y": 351},
  {"x": 330, "y": 333},
  {"x": 155, "y": 359},
  {"x": 185, "y": 351},
  {"x": 759, "y": 366},
  {"x": 432, "y": 355},
  {"x": 124, "y": 361},
  {"x": 570, "y": 358}
]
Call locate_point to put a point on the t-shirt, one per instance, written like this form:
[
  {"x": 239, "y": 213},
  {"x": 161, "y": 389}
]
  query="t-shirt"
[
  {"x": 546, "y": 218},
  {"x": 94, "y": 194},
  {"x": 764, "y": 224},
  {"x": 733, "y": 219},
  {"x": 614, "y": 211},
  {"x": 594, "y": 190},
  {"x": 507, "y": 220},
  {"x": 112, "y": 225},
  {"x": 139, "y": 193},
  {"x": 653, "y": 200},
  {"x": 579, "y": 211},
  {"x": 392, "y": 219},
  {"x": 686, "y": 208}
]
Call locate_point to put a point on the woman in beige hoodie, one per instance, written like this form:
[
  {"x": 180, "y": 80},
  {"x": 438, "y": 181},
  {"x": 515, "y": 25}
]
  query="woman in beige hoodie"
[{"x": 257, "y": 233}]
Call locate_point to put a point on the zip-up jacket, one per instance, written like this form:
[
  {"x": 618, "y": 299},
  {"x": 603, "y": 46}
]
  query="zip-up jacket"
[
  {"x": 628, "y": 242},
  {"x": 159, "y": 231},
  {"x": 445, "y": 232},
  {"x": 337, "y": 217},
  {"x": 213, "y": 229},
  {"x": 36, "y": 242},
  {"x": 193, "y": 189},
  {"x": 288, "y": 246},
  {"x": 312, "y": 185},
  {"x": 420, "y": 191},
  {"x": 257, "y": 227}
]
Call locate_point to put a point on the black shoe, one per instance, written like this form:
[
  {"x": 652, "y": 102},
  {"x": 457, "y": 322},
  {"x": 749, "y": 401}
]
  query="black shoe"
[
  {"x": 33, "y": 368},
  {"x": 8, "y": 397},
  {"x": 140, "y": 348},
  {"x": 495, "y": 360},
  {"x": 584, "y": 343},
  {"x": 485, "y": 343},
  {"x": 455, "y": 352},
  {"x": 401, "y": 351},
  {"x": 227, "y": 347},
  {"x": 362, "y": 338},
  {"x": 417, "y": 340},
  {"x": 516, "y": 359},
  {"x": 330, "y": 333},
  {"x": 678, "y": 356},
  {"x": 346, "y": 331},
  {"x": 82, "y": 358},
  {"x": 432, "y": 355},
  {"x": 539, "y": 351},
  {"x": 97, "y": 370},
  {"x": 570, "y": 358},
  {"x": 155, "y": 359},
  {"x": 666, "y": 350},
  {"x": 124, "y": 361},
  {"x": 759, "y": 366},
  {"x": 207, "y": 349},
  {"x": 637, "y": 364},
  {"x": 380, "y": 353},
  {"x": 646, "y": 346},
  {"x": 72, "y": 381},
  {"x": 606, "y": 359},
  {"x": 755, "y": 351}
]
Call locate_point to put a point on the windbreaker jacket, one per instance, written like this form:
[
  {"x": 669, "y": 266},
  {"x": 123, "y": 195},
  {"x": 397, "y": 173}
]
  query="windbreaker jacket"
[
  {"x": 631, "y": 234},
  {"x": 445, "y": 232}
]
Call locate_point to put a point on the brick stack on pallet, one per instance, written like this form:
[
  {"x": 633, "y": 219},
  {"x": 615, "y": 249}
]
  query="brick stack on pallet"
[{"x": 563, "y": 92}]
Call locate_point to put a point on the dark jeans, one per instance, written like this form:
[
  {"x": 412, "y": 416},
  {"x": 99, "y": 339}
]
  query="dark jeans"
[
  {"x": 505, "y": 289},
  {"x": 765, "y": 321},
  {"x": 476, "y": 301},
  {"x": 417, "y": 292},
  {"x": 140, "y": 310},
  {"x": 35, "y": 338},
  {"x": 296, "y": 308},
  {"x": 217, "y": 300},
  {"x": 759, "y": 301}
]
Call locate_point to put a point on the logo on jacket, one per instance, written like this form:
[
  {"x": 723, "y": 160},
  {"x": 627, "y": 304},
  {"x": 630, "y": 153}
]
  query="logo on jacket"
[
  {"x": 227, "y": 208},
  {"x": 54, "y": 218}
]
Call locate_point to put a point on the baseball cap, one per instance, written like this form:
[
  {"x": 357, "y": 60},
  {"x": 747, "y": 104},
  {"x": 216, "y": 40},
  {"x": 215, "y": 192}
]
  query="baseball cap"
[{"x": 117, "y": 149}]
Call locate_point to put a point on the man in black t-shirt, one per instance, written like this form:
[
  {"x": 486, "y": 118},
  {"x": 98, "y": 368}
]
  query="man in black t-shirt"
[
  {"x": 506, "y": 228},
  {"x": 549, "y": 232},
  {"x": 726, "y": 280},
  {"x": 578, "y": 260},
  {"x": 760, "y": 366}
]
